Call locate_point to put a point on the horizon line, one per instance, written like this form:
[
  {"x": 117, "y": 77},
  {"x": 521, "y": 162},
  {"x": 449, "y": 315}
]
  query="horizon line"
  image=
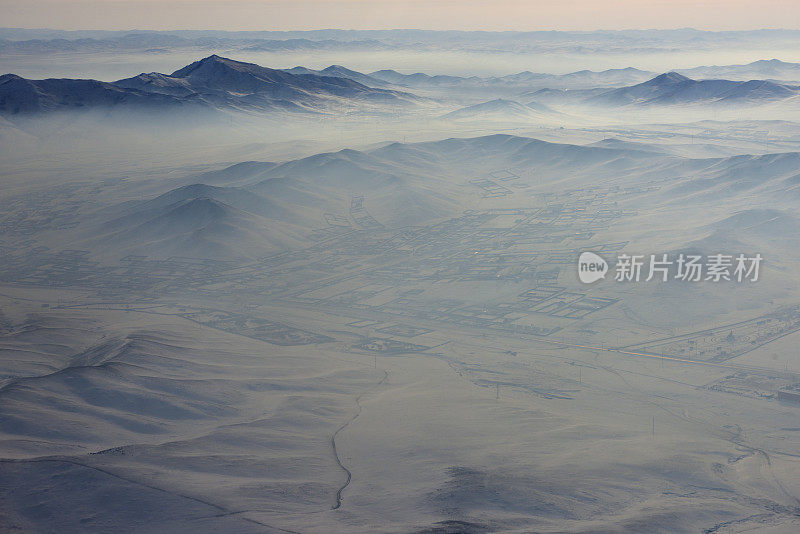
[{"x": 684, "y": 28}]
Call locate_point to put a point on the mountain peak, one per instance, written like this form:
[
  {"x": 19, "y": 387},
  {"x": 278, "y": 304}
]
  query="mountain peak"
[
  {"x": 215, "y": 64},
  {"x": 769, "y": 62},
  {"x": 668, "y": 78},
  {"x": 200, "y": 210},
  {"x": 214, "y": 58},
  {"x": 215, "y": 73},
  {"x": 8, "y": 77}
]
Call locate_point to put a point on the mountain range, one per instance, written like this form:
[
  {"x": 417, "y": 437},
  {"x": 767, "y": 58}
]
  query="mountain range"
[
  {"x": 615, "y": 87},
  {"x": 22, "y": 96},
  {"x": 772, "y": 70},
  {"x": 673, "y": 88},
  {"x": 256, "y": 208},
  {"x": 218, "y": 84},
  {"x": 524, "y": 80},
  {"x": 214, "y": 83},
  {"x": 766, "y": 69}
]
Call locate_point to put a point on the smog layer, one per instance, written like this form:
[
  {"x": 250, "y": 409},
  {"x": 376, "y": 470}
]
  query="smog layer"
[{"x": 320, "y": 282}]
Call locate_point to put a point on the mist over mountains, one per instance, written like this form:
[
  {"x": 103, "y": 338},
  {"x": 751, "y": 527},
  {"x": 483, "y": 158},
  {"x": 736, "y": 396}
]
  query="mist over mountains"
[
  {"x": 460, "y": 40},
  {"x": 249, "y": 210},
  {"x": 503, "y": 110},
  {"x": 220, "y": 84},
  {"x": 329, "y": 282}
]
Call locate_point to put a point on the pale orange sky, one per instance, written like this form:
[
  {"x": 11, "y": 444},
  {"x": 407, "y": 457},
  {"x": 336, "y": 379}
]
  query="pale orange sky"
[{"x": 383, "y": 14}]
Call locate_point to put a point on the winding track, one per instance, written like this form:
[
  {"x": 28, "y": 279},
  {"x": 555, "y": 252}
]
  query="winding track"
[{"x": 336, "y": 452}]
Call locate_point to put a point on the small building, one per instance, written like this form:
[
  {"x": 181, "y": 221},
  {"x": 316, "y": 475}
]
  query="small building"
[{"x": 790, "y": 393}]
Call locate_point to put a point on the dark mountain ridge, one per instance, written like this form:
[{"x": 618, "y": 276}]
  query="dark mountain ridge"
[{"x": 214, "y": 83}]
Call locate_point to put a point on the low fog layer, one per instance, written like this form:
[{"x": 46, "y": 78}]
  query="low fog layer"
[{"x": 243, "y": 298}]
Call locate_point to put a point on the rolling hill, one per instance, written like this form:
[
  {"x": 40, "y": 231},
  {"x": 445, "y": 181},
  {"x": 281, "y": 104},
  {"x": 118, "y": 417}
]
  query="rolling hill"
[{"x": 501, "y": 110}]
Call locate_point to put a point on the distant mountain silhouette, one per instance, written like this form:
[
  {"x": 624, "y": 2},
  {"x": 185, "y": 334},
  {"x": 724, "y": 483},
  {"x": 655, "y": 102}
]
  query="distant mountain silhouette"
[
  {"x": 674, "y": 88},
  {"x": 524, "y": 80},
  {"x": 767, "y": 69}
]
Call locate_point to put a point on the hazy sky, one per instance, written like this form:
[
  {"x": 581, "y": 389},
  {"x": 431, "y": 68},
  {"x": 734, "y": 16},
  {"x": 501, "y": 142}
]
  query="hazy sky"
[{"x": 381, "y": 14}]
